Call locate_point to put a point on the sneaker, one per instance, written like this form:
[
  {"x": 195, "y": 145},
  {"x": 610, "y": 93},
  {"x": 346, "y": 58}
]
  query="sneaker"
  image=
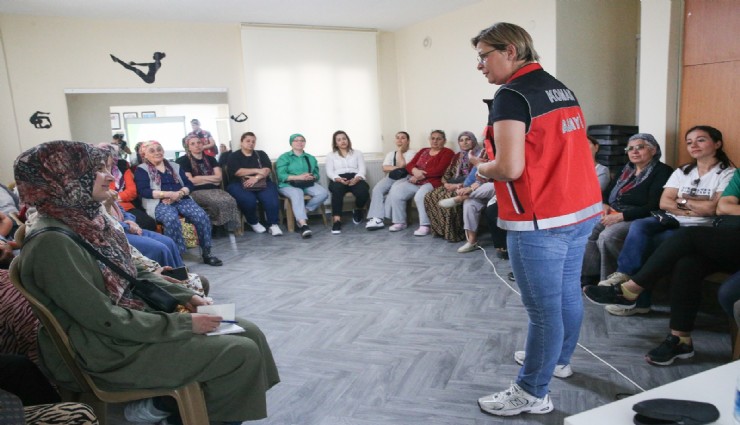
[
  {"x": 336, "y": 228},
  {"x": 513, "y": 402},
  {"x": 561, "y": 371},
  {"x": 448, "y": 203},
  {"x": 258, "y": 228},
  {"x": 357, "y": 215},
  {"x": 614, "y": 278},
  {"x": 374, "y": 224},
  {"x": 397, "y": 227},
  {"x": 618, "y": 310},
  {"x": 144, "y": 411},
  {"x": 468, "y": 247},
  {"x": 608, "y": 295},
  {"x": 275, "y": 230},
  {"x": 304, "y": 231},
  {"x": 669, "y": 350},
  {"x": 422, "y": 231}
]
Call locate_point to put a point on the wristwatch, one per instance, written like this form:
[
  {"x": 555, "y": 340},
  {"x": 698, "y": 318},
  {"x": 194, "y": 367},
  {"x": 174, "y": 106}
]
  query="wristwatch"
[{"x": 682, "y": 204}]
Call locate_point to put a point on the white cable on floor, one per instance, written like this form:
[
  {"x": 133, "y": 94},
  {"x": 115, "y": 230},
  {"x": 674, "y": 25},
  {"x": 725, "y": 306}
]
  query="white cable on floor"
[{"x": 579, "y": 344}]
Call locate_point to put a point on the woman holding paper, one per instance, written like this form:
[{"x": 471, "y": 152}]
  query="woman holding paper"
[{"x": 121, "y": 342}]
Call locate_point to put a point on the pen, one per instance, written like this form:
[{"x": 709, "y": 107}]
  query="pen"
[{"x": 228, "y": 321}]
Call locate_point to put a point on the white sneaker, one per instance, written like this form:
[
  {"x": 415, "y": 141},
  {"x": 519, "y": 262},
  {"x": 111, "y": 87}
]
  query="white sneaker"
[
  {"x": 614, "y": 279},
  {"x": 422, "y": 231},
  {"x": 561, "y": 371},
  {"x": 397, "y": 227},
  {"x": 468, "y": 247},
  {"x": 143, "y": 411},
  {"x": 258, "y": 228},
  {"x": 513, "y": 402},
  {"x": 275, "y": 230},
  {"x": 374, "y": 223},
  {"x": 620, "y": 310}
]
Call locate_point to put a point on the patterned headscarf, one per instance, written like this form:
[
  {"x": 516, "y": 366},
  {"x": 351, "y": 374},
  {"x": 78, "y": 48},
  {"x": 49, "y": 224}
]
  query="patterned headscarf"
[
  {"x": 154, "y": 173},
  {"x": 464, "y": 167},
  {"x": 628, "y": 179},
  {"x": 197, "y": 168},
  {"x": 112, "y": 151},
  {"x": 57, "y": 178}
]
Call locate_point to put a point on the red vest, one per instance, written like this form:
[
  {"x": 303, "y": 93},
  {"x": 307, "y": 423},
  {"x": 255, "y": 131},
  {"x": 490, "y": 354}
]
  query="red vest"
[{"x": 559, "y": 186}]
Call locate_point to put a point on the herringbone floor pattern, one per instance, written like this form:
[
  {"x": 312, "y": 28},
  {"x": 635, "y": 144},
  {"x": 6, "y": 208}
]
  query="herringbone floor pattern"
[{"x": 372, "y": 328}]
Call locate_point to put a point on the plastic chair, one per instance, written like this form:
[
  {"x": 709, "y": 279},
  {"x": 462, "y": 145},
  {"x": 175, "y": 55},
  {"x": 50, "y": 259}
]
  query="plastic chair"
[{"x": 190, "y": 400}]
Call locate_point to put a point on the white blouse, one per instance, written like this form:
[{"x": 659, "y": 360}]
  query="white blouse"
[{"x": 337, "y": 164}]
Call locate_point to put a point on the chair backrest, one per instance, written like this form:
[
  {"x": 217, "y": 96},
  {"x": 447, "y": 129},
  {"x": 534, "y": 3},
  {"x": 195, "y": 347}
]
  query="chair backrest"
[{"x": 57, "y": 334}]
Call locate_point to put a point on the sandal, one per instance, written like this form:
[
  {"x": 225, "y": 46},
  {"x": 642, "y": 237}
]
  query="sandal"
[{"x": 502, "y": 253}]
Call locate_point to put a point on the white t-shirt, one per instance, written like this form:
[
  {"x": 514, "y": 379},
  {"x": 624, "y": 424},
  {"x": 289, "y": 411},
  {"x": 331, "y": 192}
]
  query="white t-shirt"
[
  {"x": 691, "y": 186},
  {"x": 408, "y": 156}
]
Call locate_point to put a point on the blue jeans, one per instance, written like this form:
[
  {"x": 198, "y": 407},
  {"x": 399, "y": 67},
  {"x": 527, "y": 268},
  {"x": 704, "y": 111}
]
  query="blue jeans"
[
  {"x": 159, "y": 248},
  {"x": 317, "y": 193},
  {"x": 644, "y": 236},
  {"x": 547, "y": 266},
  {"x": 247, "y": 201}
]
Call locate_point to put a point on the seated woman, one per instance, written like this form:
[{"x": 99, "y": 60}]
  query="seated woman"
[
  {"x": 689, "y": 197},
  {"x": 631, "y": 196},
  {"x": 425, "y": 174},
  {"x": 395, "y": 160},
  {"x": 345, "y": 169},
  {"x": 120, "y": 340},
  {"x": 249, "y": 175},
  {"x": 205, "y": 175},
  {"x": 128, "y": 197},
  {"x": 164, "y": 190},
  {"x": 298, "y": 175},
  {"x": 692, "y": 253},
  {"x": 448, "y": 221},
  {"x": 602, "y": 172}
]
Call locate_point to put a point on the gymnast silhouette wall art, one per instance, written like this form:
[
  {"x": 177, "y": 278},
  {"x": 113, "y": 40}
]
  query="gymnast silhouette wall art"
[
  {"x": 151, "y": 67},
  {"x": 41, "y": 119}
]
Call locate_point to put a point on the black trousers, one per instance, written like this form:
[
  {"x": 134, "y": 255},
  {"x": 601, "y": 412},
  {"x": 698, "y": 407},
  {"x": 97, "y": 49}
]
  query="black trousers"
[
  {"x": 361, "y": 191},
  {"x": 498, "y": 234},
  {"x": 20, "y": 376},
  {"x": 143, "y": 219},
  {"x": 691, "y": 254}
]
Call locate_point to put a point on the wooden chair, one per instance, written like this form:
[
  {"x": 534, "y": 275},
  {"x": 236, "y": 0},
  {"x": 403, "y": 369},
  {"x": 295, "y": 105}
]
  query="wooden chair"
[
  {"x": 190, "y": 400},
  {"x": 288, "y": 207}
]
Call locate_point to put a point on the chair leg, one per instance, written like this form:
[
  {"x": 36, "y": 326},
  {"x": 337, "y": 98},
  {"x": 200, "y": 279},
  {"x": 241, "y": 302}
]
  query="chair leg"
[
  {"x": 191, "y": 404},
  {"x": 734, "y": 339},
  {"x": 289, "y": 217},
  {"x": 322, "y": 208}
]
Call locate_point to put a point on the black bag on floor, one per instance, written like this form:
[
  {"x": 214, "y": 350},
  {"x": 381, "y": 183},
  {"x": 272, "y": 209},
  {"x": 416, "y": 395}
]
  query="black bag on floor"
[{"x": 670, "y": 411}]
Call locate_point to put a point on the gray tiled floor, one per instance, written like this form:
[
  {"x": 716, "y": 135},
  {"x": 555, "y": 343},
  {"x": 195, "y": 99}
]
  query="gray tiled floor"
[{"x": 379, "y": 328}]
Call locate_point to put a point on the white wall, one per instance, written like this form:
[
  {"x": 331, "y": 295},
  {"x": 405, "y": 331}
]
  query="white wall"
[
  {"x": 45, "y": 56},
  {"x": 597, "y": 57},
  {"x": 439, "y": 86}
]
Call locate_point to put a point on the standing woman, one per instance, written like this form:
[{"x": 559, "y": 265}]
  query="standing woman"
[
  {"x": 345, "y": 169},
  {"x": 448, "y": 222},
  {"x": 164, "y": 191},
  {"x": 536, "y": 123},
  {"x": 205, "y": 175},
  {"x": 395, "y": 165},
  {"x": 298, "y": 174},
  {"x": 249, "y": 173},
  {"x": 425, "y": 170}
]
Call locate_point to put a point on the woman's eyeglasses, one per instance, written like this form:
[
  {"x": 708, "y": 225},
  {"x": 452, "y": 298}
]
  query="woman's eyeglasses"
[{"x": 635, "y": 148}]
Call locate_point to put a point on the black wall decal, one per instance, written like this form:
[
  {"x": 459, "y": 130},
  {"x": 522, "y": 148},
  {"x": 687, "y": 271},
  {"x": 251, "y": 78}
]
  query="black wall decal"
[
  {"x": 240, "y": 118},
  {"x": 41, "y": 119},
  {"x": 152, "y": 67}
]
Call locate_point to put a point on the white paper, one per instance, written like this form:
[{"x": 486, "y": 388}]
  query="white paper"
[{"x": 227, "y": 312}]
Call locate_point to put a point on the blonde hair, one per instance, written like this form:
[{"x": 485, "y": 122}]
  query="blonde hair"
[{"x": 502, "y": 34}]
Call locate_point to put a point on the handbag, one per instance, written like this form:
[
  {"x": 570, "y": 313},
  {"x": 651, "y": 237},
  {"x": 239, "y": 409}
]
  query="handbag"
[
  {"x": 667, "y": 221},
  {"x": 259, "y": 184},
  {"x": 189, "y": 234},
  {"x": 398, "y": 173},
  {"x": 302, "y": 184},
  {"x": 156, "y": 297}
]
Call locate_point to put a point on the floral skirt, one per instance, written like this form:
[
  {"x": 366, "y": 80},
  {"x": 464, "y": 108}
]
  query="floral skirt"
[
  {"x": 220, "y": 207},
  {"x": 445, "y": 222}
]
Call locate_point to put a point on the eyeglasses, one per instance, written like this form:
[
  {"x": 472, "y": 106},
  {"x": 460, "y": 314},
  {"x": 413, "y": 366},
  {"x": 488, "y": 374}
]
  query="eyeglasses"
[
  {"x": 483, "y": 57},
  {"x": 635, "y": 148}
]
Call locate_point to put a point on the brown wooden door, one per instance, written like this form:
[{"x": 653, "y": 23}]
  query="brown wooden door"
[{"x": 710, "y": 85}]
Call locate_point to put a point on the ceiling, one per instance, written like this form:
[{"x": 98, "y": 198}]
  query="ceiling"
[{"x": 386, "y": 15}]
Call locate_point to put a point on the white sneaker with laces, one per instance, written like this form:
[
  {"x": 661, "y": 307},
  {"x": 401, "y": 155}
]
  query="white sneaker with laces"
[
  {"x": 513, "y": 402},
  {"x": 258, "y": 228},
  {"x": 448, "y": 203},
  {"x": 143, "y": 411},
  {"x": 619, "y": 310},
  {"x": 275, "y": 230},
  {"x": 468, "y": 247},
  {"x": 614, "y": 279},
  {"x": 561, "y": 371}
]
